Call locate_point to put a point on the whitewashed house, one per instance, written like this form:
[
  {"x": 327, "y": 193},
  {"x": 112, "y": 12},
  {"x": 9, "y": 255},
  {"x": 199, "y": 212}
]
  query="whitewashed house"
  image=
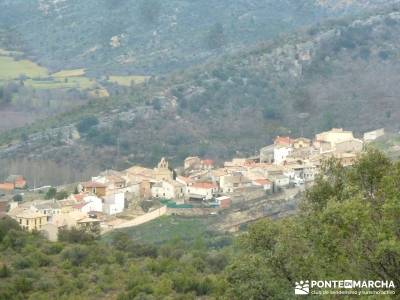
[
  {"x": 202, "y": 190},
  {"x": 90, "y": 203},
  {"x": 265, "y": 183},
  {"x": 114, "y": 203},
  {"x": 283, "y": 147}
]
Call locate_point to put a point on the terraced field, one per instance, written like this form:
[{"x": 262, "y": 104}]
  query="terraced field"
[{"x": 39, "y": 77}]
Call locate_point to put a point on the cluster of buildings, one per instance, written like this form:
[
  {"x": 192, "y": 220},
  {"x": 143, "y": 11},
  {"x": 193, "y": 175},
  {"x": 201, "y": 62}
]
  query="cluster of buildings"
[
  {"x": 13, "y": 182},
  {"x": 302, "y": 157},
  {"x": 288, "y": 162}
]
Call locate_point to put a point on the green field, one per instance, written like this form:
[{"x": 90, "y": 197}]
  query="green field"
[
  {"x": 12, "y": 69},
  {"x": 168, "y": 228},
  {"x": 82, "y": 83},
  {"x": 128, "y": 80},
  {"x": 39, "y": 78},
  {"x": 69, "y": 73}
]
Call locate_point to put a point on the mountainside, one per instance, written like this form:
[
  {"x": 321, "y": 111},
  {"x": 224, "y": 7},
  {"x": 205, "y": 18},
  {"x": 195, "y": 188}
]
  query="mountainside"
[
  {"x": 154, "y": 36},
  {"x": 342, "y": 74}
]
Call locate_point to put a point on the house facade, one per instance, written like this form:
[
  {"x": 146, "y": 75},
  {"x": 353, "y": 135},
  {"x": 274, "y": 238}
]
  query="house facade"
[
  {"x": 114, "y": 203},
  {"x": 205, "y": 190},
  {"x": 96, "y": 188},
  {"x": 31, "y": 220},
  {"x": 13, "y": 182}
]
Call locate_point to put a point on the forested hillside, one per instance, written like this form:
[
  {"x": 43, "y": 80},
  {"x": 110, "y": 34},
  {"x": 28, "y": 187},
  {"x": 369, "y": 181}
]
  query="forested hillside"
[
  {"x": 347, "y": 228},
  {"x": 344, "y": 73},
  {"x": 153, "y": 36}
]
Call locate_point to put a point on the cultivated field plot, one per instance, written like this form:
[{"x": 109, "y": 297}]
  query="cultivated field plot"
[
  {"x": 82, "y": 83},
  {"x": 69, "y": 73},
  {"x": 13, "y": 69},
  {"x": 39, "y": 77}
]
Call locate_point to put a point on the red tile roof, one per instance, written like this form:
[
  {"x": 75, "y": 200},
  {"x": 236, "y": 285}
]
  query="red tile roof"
[
  {"x": 92, "y": 184},
  {"x": 204, "y": 185},
  {"x": 78, "y": 197},
  {"x": 7, "y": 186},
  {"x": 208, "y": 162},
  {"x": 283, "y": 140},
  {"x": 80, "y": 205}
]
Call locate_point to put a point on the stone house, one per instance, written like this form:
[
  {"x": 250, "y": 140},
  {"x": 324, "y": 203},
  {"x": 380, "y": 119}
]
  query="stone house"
[
  {"x": 229, "y": 183},
  {"x": 267, "y": 154},
  {"x": 31, "y": 220},
  {"x": 173, "y": 190},
  {"x": 97, "y": 188}
]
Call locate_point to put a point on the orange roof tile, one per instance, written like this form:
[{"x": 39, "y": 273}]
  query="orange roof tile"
[
  {"x": 283, "y": 140},
  {"x": 204, "y": 185},
  {"x": 92, "y": 184},
  {"x": 208, "y": 162}
]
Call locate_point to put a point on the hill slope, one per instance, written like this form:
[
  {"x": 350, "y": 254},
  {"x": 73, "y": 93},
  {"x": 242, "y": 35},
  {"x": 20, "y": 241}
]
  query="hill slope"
[
  {"x": 153, "y": 36},
  {"x": 343, "y": 74}
]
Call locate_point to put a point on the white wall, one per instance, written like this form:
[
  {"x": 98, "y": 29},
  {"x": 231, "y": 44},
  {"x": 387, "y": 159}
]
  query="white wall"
[
  {"x": 114, "y": 203},
  {"x": 281, "y": 153},
  {"x": 166, "y": 190},
  {"x": 207, "y": 193},
  {"x": 284, "y": 181}
]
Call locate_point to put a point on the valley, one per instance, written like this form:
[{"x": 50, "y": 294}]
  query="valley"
[
  {"x": 304, "y": 83},
  {"x": 199, "y": 150}
]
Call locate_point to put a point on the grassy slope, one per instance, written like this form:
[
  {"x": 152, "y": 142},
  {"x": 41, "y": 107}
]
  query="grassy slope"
[
  {"x": 168, "y": 228},
  {"x": 12, "y": 69}
]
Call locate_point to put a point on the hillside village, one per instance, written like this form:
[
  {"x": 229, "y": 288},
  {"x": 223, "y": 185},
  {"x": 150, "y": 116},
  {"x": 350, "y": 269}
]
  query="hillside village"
[{"x": 117, "y": 199}]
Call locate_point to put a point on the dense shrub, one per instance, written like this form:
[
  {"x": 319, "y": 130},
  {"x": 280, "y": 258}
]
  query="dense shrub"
[{"x": 87, "y": 123}]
